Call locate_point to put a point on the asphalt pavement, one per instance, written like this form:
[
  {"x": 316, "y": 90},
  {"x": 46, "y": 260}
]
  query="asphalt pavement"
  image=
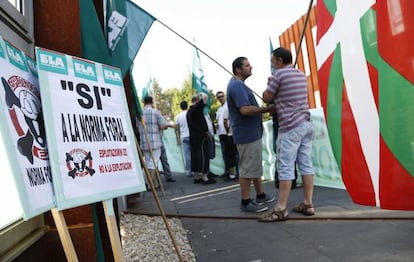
[{"x": 339, "y": 231}]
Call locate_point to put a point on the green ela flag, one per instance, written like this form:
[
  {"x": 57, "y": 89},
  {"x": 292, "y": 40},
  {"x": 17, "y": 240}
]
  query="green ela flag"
[
  {"x": 126, "y": 27},
  {"x": 198, "y": 80}
]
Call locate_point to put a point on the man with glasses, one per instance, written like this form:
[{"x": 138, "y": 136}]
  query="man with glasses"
[{"x": 246, "y": 123}]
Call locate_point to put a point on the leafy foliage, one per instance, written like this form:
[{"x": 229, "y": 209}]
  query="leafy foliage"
[{"x": 168, "y": 101}]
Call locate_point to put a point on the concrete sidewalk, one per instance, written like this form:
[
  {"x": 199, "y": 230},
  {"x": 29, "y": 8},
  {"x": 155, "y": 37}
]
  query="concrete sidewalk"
[{"x": 339, "y": 231}]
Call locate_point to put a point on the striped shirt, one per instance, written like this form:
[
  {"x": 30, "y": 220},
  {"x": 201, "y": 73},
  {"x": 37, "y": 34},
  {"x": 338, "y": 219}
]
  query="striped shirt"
[
  {"x": 290, "y": 89},
  {"x": 154, "y": 123}
]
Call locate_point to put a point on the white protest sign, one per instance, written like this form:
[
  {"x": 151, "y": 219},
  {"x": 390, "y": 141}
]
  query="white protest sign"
[
  {"x": 92, "y": 147},
  {"x": 22, "y": 132}
]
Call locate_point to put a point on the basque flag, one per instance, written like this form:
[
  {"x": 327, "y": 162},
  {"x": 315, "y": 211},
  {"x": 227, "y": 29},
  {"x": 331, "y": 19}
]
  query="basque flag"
[{"x": 366, "y": 76}]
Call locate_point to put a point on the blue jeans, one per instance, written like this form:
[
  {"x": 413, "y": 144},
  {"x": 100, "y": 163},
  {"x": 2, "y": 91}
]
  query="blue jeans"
[
  {"x": 164, "y": 162},
  {"x": 295, "y": 145},
  {"x": 186, "y": 145}
]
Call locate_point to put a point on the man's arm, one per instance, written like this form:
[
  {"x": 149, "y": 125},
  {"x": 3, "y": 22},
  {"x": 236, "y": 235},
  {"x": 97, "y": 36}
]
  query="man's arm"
[
  {"x": 268, "y": 96},
  {"x": 163, "y": 124},
  {"x": 226, "y": 125},
  {"x": 178, "y": 133},
  {"x": 203, "y": 97},
  {"x": 255, "y": 110}
]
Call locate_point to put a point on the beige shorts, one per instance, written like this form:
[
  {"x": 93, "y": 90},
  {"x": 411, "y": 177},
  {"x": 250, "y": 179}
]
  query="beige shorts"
[
  {"x": 149, "y": 161},
  {"x": 250, "y": 159}
]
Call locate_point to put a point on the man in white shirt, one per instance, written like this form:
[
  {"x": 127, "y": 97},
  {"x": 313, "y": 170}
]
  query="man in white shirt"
[
  {"x": 228, "y": 148},
  {"x": 184, "y": 136}
]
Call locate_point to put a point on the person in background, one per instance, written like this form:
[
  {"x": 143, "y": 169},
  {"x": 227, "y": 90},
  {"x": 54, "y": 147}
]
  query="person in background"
[
  {"x": 228, "y": 148},
  {"x": 150, "y": 136},
  {"x": 246, "y": 123},
  {"x": 166, "y": 170},
  {"x": 221, "y": 130},
  {"x": 289, "y": 89},
  {"x": 184, "y": 136},
  {"x": 212, "y": 131},
  {"x": 200, "y": 138},
  {"x": 211, "y": 143},
  {"x": 231, "y": 149}
]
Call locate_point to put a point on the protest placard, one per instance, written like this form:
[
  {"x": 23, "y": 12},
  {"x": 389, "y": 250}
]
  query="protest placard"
[
  {"x": 25, "y": 154},
  {"x": 92, "y": 147}
]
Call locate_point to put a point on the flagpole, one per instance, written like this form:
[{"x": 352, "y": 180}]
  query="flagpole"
[
  {"x": 189, "y": 42},
  {"x": 204, "y": 53},
  {"x": 303, "y": 32}
]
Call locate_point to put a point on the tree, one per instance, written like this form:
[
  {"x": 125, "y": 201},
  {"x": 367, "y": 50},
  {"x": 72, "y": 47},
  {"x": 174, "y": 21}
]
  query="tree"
[{"x": 168, "y": 101}]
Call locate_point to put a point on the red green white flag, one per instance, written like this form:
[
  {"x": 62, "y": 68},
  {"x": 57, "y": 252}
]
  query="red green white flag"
[{"x": 366, "y": 76}]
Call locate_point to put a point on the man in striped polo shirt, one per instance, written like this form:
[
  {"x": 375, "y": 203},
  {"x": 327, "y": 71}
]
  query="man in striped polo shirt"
[{"x": 288, "y": 88}]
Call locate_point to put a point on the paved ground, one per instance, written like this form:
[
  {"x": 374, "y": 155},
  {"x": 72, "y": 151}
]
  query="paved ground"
[{"x": 339, "y": 231}]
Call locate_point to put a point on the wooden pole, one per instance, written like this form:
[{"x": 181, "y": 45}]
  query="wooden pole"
[
  {"x": 157, "y": 200},
  {"x": 303, "y": 32}
]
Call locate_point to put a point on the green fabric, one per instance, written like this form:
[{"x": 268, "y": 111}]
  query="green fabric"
[
  {"x": 126, "y": 27},
  {"x": 93, "y": 44},
  {"x": 198, "y": 80},
  {"x": 136, "y": 105}
]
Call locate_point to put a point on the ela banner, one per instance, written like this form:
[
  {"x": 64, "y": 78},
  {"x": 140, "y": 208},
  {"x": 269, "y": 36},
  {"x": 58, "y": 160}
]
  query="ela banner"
[
  {"x": 126, "y": 27},
  {"x": 365, "y": 56},
  {"x": 22, "y": 132},
  {"x": 198, "y": 79},
  {"x": 92, "y": 146}
]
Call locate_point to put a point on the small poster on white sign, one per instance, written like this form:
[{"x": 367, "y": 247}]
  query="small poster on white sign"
[{"x": 93, "y": 154}]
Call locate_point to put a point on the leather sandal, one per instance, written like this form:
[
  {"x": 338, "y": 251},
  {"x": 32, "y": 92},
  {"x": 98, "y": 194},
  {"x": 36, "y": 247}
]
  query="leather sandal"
[
  {"x": 274, "y": 216},
  {"x": 306, "y": 209}
]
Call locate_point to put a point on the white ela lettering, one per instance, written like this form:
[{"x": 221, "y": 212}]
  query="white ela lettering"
[
  {"x": 52, "y": 61},
  {"x": 83, "y": 69},
  {"x": 15, "y": 56},
  {"x": 112, "y": 75},
  {"x": 116, "y": 23}
]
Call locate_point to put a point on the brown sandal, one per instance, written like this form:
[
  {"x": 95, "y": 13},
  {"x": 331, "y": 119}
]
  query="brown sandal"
[
  {"x": 274, "y": 216},
  {"x": 306, "y": 209}
]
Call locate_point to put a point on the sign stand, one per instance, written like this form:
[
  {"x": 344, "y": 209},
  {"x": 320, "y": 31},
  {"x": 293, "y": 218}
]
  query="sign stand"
[
  {"x": 64, "y": 235},
  {"x": 113, "y": 230}
]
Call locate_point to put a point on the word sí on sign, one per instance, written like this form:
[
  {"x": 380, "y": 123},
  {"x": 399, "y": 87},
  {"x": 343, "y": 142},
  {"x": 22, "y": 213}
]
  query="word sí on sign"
[{"x": 83, "y": 90}]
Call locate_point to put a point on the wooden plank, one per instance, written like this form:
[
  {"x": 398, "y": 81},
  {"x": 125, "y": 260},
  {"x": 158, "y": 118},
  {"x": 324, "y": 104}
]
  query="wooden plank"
[
  {"x": 64, "y": 235},
  {"x": 113, "y": 230}
]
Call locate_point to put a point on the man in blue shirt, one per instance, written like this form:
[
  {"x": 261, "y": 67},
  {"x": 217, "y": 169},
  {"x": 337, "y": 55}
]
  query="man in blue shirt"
[{"x": 246, "y": 123}]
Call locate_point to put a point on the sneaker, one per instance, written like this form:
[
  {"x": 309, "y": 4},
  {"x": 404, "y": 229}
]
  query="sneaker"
[
  {"x": 252, "y": 207},
  {"x": 198, "y": 180},
  {"x": 267, "y": 199},
  {"x": 170, "y": 179},
  {"x": 209, "y": 181},
  {"x": 230, "y": 178}
]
